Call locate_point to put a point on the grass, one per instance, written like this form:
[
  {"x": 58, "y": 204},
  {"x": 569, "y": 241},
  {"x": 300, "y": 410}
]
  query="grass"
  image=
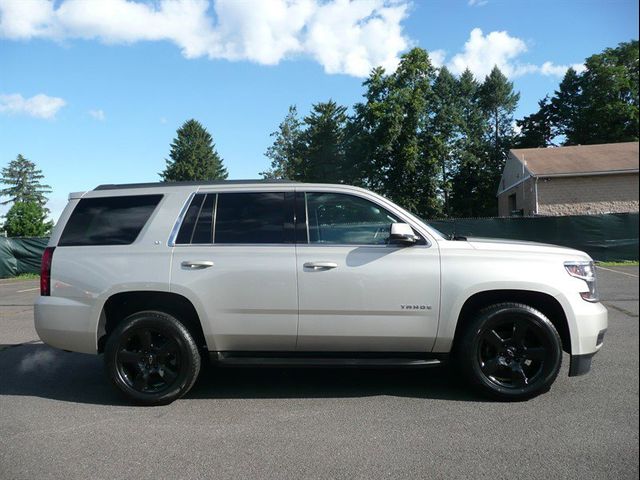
[
  {"x": 623, "y": 263},
  {"x": 25, "y": 276}
]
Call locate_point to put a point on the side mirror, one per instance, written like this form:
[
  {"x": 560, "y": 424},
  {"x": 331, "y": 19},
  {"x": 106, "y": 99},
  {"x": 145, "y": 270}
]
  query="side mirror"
[{"x": 402, "y": 234}]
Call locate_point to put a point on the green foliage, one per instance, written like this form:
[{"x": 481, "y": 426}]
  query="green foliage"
[
  {"x": 193, "y": 156},
  {"x": 27, "y": 219},
  {"x": 286, "y": 148},
  {"x": 537, "y": 130},
  {"x": 23, "y": 182},
  {"x": 599, "y": 105}
]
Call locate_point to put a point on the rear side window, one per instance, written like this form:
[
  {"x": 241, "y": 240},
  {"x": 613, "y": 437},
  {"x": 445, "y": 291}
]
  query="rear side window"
[
  {"x": 108, "y": 220},
  {"x": 252, "y": 218}
]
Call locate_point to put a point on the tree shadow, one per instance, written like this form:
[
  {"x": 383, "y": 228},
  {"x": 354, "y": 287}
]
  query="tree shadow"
[{"x": 41, "y": 371}]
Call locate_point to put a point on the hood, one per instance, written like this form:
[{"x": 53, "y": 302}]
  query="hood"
[{"x": 504, "y": 245}]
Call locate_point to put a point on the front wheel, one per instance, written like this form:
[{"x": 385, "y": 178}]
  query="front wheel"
[
  {"x": 510, "y": 351},
  {"x": 152, "y": 358}
]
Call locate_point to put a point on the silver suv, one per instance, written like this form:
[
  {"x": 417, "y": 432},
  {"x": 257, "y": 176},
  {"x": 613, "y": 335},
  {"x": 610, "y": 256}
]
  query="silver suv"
[{"x": 159, "y": 277}]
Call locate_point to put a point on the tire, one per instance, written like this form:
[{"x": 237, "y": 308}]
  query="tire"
[
  {"x": 510, "y": 352},
  {"x": 152, "y": 358}
]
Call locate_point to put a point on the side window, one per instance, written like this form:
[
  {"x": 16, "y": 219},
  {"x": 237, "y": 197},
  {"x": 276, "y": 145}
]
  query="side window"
[
  {"x": 336, "y": 218},
  {"x": 252, "y": 218},
  {"x": 108, "y": 220}
]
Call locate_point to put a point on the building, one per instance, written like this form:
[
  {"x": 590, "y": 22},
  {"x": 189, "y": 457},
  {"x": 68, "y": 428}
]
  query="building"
[{"x": 579, "y": 180}]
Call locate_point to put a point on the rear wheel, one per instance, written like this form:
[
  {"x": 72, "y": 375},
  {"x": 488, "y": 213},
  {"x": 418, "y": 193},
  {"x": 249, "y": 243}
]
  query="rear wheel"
[
  {"x": 152, "y": 358},
  {"x": 510, "y": 351}
]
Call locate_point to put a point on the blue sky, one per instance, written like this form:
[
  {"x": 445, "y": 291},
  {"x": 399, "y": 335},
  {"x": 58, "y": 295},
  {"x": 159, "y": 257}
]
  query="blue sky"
[{"x": 93, "y": 91}]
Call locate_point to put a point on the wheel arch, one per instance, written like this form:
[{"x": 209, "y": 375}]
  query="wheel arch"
[
  {"x": 122, "y": 304},
  {"x": 543, "y": 302}
]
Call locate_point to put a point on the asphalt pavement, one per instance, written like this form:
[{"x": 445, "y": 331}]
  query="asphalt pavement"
[{"x": 60, "y": 418}]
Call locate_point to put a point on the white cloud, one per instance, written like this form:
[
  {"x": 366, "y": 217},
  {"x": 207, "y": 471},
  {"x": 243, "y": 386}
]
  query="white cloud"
[
  {"x": 38, "y": 106},
  {"x": 477, "y": 3},
  {"x": 482, "y": 52},
  {"x": 97, "y": 114},
  {"x": 343, "y": 36},
  {"x": 551, "y": 69},
  {"x": 437, "y": 57}
]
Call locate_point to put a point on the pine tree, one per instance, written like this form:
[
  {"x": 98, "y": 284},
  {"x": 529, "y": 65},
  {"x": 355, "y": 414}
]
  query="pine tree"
[
  {"x": 286, "y": 149},
  {"x": 23, "y": 183},
  {"x": 193, "y": 156},
  {"x": 323, "y": 155},
  {"x": 537, "y": 130},
  {"x": 27, "y": 219}
]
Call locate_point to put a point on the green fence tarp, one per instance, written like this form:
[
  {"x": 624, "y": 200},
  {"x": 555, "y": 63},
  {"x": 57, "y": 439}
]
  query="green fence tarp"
[
  {"x": 20, "y": 255},
  {"x": 608, "y": 237}
]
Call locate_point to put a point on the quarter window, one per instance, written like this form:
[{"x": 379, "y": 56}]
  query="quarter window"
[
  {"x": 108, "y": 220},
  {"x": 336, "y": 218}
]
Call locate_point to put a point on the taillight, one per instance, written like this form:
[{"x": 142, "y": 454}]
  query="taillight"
[{"x": 45, "y": 271}]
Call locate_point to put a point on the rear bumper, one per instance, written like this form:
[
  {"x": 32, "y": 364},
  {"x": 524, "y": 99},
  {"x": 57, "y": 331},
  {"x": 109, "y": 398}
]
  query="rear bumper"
[{"x": 65, "y": 323}]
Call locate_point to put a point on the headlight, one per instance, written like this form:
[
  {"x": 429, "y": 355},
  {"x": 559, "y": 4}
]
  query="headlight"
[{"x": 585, "y": 271}]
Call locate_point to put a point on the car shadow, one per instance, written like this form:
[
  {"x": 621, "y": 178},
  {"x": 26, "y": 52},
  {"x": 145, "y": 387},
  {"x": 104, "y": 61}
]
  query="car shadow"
[{"x": 41, "y": 371}]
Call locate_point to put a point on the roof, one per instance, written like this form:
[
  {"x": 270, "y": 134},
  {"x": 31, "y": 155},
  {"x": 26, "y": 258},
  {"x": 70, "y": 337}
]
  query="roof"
[
  {"x": 606, "y": 158},
  {"x": 120, "y": 186}
]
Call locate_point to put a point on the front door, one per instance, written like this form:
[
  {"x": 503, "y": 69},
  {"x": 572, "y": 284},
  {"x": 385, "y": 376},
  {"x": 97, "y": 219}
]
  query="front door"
[
  {"x": 356, "y": 292},
  {"x": 235, "y": 257}
]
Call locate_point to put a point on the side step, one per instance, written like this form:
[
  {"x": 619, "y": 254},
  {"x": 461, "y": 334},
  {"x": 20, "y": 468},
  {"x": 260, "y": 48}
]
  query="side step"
[{"x": 230, "y": 359}]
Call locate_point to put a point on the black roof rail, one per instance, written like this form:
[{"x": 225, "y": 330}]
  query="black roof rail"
[{"x": 120, "y": 186}]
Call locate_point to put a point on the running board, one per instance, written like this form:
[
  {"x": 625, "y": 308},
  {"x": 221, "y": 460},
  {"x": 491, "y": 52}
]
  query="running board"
[{"x": 306, "y": 361}]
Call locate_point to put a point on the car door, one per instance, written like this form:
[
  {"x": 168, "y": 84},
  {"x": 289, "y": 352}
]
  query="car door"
[
  {"x": 357, "y": 292},
  {"x": 234, "y": 255}
]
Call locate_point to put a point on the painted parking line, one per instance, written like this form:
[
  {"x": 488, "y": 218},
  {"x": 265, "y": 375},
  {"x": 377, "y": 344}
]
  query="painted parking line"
[
  {"x": 28, "y": 290},
  {"x": 617, "y": 271}
]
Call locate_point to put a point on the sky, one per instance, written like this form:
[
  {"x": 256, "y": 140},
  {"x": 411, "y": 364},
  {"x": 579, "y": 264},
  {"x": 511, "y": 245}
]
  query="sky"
[{"x": 93, "y": 91}]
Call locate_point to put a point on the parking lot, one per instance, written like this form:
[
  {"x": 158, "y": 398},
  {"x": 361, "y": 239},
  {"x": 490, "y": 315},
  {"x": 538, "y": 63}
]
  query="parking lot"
[{"x": 60, "y": 418}]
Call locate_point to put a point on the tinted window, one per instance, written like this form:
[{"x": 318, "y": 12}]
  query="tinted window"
[
  {"x": 335, "y": 218},
  {"x": 251, "y": 218},
  {"x": 189, "y": 220},
  {"x": 108, "y": 220},
  {"x": 203, "y": 232}
]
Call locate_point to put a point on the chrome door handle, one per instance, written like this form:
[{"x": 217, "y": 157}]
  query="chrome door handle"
[
  {"x": 320, "y": 265},
  {"x": 196, "y": 265}
]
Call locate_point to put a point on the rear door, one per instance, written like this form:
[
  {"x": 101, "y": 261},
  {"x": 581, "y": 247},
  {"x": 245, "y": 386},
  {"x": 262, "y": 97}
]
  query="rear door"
[
  {"x": 357, "y": 292},
  {"x": 235, "y": 254}
]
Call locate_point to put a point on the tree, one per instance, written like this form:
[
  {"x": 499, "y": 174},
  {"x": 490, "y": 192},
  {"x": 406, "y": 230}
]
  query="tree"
[
  {"x": 566, "y": 109},
  {"x": 498, "y": 101},
  {"x": 27, "y": 219},
  {"x": 193, "y": 156},
  {"x": 286, "y": 148},
  {"x": 322, "y": 157},
  {"x": 537, "y": 130},
  {"x": 23, "y": 182}
]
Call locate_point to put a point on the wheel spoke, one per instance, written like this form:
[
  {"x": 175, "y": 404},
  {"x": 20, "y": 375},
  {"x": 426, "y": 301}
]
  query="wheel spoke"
[
  {"x": 490, "y": 366},
  {"x": 126, "y": 356},
  {"x": 145, "y": 339},
  {"x": 167, "y": 348},
  {"x": 519, "y": 332},
  {"x": 168, "y": 375},
  {"x": 494, "y": 339},
  {"x": 141, "y": 381},
  {"x": 518, "y": 376},
  {"x": 535, "y": 353}
]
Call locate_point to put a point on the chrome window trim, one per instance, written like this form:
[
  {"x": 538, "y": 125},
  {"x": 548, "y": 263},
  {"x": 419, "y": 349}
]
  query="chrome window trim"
[{"x": 176, "y": 226}]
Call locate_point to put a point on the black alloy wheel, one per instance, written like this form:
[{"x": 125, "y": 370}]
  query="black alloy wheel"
[
  {"x": 152, "y": 358},
  {"x": 511, "y": 352}
]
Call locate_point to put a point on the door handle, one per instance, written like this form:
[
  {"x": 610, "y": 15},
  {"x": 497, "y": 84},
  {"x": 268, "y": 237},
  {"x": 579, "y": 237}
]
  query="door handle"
[
  {"x": 196, "y": 265},
  {"x": 320, "y": 265}
]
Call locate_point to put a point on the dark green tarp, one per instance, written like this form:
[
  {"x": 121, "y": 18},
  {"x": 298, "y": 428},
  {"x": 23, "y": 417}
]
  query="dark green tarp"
[
  {"x": 20, "y": 255},
  {"x": 607, "y": 237}
]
